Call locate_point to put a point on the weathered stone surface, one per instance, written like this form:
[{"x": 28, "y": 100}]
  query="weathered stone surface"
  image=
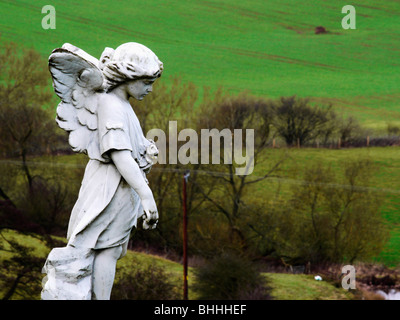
[{"x": 69, "y": 273}]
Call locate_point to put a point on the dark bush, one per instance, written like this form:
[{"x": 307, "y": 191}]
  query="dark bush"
[
  {"x": 393, "y": 129},
  {"x": 320, "y": 30},
  {"x": 297, "y": 122},
  {"x": 230, "y": 277},
  {"x": 149, "y": 283}
]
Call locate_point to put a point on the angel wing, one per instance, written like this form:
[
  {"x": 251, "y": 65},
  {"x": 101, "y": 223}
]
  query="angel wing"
[{"x": 78, "y": 81}]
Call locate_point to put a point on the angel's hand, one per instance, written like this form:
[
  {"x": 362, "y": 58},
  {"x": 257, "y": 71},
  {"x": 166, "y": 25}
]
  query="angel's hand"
[
  {"x": 150, "y": 212},
  {"x": 131, "y": 172}
]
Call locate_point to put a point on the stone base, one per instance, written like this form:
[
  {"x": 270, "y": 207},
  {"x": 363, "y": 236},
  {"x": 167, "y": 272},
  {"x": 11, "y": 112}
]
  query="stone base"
[{"x": 69, "y": 274}]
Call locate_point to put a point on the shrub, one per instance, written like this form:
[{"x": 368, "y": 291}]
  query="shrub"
[
  {"x": 230, "y": 277},
  {"x": 149, "y": 283}
]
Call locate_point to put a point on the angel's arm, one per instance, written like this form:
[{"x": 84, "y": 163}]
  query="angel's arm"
[{"x": 130, "y": 171}]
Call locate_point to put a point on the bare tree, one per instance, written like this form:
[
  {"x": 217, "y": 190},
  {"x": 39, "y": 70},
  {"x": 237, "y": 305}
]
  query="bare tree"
[
  {"x": 334, "y": 217},
  {"x": 224, "y": 188},
  {"x": 297, "y": 121}
]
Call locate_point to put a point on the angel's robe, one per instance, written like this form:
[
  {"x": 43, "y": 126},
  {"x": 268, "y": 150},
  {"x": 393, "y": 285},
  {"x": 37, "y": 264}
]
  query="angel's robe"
[{"x": 107, "y": 207}]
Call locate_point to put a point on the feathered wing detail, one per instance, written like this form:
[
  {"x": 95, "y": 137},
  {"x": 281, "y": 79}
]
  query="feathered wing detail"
[{"x": 78, "y": 81}]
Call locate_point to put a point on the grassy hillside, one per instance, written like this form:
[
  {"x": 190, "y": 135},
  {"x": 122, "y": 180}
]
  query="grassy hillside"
[
  {"x": 284, "y": 286},
  {"x": 131, "y": 262},
  {"x": 266, "y": 47},
  {"x": 304, "y": 287}
]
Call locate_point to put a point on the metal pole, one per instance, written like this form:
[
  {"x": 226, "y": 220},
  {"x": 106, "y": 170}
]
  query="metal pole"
[{"x": 185, "y": 267}]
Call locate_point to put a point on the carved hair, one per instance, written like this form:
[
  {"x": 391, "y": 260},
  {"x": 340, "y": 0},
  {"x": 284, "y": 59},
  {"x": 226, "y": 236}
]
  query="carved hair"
[{"x": 130, "y": 61}]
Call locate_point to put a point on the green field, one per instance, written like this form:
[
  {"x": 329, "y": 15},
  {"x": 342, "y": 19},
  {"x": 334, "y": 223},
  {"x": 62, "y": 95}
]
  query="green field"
[{"x": 266, "y": 47}]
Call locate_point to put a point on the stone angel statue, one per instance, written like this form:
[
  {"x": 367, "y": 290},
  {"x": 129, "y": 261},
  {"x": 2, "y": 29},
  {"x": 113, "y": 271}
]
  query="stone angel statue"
[{"x": 114, "y": 194}]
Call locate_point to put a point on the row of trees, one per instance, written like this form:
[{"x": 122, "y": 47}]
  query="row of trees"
[{"x": 298, "y": 122}]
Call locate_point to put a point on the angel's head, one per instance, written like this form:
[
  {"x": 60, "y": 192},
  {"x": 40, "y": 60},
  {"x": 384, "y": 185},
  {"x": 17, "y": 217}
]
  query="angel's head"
[{"x": 133, "y": 65}]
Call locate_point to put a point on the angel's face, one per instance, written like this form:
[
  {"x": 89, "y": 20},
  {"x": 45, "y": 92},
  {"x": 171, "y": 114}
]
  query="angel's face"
[{"x": 138, "y": 89}]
